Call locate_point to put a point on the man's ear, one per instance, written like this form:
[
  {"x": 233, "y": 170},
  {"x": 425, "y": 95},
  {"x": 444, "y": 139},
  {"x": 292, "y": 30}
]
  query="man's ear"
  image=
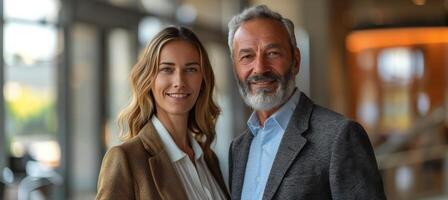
[{"x": 297, "y": 58}]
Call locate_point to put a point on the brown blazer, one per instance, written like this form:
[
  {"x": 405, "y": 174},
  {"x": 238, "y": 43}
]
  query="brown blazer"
[{"x": 141, "y": 169}]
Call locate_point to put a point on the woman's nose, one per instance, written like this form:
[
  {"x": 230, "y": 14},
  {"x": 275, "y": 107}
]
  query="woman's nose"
[{"x": 178, "y": 80}]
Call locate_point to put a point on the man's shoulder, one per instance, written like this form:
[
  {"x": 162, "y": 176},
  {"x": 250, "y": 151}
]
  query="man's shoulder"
[
  {"x": 325, "y": 114},
  {"x": 314, "y": 114},
  {"x": 326, "y": 121}
]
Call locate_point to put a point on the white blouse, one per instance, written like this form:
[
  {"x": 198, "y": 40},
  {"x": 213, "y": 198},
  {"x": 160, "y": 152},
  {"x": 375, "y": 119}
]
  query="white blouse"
[{"x": 198, "y": 181}]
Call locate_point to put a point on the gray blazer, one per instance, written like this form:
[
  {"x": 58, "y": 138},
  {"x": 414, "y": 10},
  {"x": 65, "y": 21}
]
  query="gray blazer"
[{"x": 322, "y": 155}]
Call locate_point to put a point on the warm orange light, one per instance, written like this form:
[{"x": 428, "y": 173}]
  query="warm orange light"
[
  {"x": 419, "y": 2},
  {"x": 371, "y": 39}
]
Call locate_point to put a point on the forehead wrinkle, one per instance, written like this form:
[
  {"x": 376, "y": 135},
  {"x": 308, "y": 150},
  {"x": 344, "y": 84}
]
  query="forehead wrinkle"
[
  {"x": 273, "y": 46},
  {"x": 261, "y": 29}
]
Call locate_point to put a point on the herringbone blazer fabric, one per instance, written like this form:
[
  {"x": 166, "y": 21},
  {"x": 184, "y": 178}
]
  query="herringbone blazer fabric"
[{"x": 322, "y": 155}]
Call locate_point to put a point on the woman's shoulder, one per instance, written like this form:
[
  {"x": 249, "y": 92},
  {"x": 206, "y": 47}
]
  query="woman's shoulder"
[{"x": 129, "y": 149}]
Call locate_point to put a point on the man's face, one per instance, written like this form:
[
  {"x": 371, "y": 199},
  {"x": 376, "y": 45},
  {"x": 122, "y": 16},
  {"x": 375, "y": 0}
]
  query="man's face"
[{"x": 264, "y": 63}]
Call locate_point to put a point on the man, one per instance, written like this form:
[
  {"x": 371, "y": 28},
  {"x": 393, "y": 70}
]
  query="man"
[{"x": 293, "y": 148}]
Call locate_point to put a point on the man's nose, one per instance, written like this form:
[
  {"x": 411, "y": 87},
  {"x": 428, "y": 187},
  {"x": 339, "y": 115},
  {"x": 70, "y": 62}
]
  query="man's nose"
[{"x": 260, "y": 65}]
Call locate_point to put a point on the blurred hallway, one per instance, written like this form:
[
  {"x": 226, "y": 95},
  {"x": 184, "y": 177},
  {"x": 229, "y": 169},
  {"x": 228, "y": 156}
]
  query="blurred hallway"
[{"x": 65, "y": 65}]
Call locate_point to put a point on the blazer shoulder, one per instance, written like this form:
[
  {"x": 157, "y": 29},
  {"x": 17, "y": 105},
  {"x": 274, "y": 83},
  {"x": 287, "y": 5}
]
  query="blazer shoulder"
[
  {"x": 115, "y": 180},
  {"x": 328, "y": 122},
  {"x": 323, "y": 113},
  {"x": 114, "y": 156},
  {"x": 131, "y": 151},
  {"x": 135, "y": 146},
  {"x": 123, "y": 153}
]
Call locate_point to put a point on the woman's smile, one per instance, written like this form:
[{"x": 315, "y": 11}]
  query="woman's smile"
[{"x": 178, "y": 95}]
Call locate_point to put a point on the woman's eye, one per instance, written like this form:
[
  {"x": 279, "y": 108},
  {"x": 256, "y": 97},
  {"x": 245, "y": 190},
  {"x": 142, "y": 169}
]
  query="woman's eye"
[
  {"x": 165, "y": 69},
  {"x": 191, "y": 69}
]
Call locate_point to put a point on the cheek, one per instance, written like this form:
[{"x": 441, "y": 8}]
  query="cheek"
[
  {"x": 198, "y": 84},
  {"x": 157, "y": 87},
  {"x": 281, "y": 66},
  {"x": 242, "y": 72},
  {"x": 193, "y": 82}
]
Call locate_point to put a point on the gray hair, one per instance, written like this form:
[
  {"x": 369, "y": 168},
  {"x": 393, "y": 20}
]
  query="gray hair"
[{"x": 259, "y": 11}]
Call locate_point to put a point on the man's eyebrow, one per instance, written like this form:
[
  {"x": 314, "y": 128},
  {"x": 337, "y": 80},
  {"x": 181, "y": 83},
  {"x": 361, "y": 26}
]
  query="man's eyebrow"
[{"x": 243, "y": 51}]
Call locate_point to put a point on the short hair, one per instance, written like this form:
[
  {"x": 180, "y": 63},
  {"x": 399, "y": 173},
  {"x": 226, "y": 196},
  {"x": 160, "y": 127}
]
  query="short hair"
[
  {"x": 256, "y": 12},
  {"x": 202, "y": 117}
]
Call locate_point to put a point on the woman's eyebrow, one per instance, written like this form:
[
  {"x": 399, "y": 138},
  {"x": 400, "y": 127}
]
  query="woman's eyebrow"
[
  {"x": 192, "y": 63},
  {"x": 166, "y": 63}
]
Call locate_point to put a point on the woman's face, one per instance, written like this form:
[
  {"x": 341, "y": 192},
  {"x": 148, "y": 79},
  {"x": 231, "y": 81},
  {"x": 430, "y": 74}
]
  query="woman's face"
[{"x": 179, "y": 78}]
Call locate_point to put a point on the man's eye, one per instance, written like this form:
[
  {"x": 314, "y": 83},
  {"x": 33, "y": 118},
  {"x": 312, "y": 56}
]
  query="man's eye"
[
  {"x": 246, "y": 57},
  {"x": 273, "y": 53}
]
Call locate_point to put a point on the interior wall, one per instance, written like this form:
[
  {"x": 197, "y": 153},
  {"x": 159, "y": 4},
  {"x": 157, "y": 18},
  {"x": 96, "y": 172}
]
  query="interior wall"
[
  {"x": 316, "y": 22},
  {"x": 84, "y": 157}
]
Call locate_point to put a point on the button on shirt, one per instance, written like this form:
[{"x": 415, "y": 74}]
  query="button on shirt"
[
  {"x": 198, "y": 182},
  {"x": 264, "y": 147}
]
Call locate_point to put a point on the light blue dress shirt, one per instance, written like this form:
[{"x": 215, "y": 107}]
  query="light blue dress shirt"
[{"x": 264, "y": 147}]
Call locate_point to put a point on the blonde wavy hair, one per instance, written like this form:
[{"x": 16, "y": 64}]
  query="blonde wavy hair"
[{"x": 138, "y": 112}]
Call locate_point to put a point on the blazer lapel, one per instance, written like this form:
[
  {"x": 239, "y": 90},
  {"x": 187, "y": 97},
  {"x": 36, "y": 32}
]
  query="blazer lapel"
[
  {"x": 290, "y": 146},
  {"x": 240, "y": 160},
  {"x": 164, "y": 176}
]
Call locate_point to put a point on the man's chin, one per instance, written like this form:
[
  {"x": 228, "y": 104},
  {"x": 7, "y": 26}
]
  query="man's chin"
[
  {"x": 265, "y": 90},
  {"x": 263, "y": 106},
  {"x": 263, "y": 94},
  {"x": 262, "y": 101}
]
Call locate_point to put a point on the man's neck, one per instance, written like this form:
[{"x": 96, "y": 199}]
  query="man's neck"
[{"x": 263, "y": 115}]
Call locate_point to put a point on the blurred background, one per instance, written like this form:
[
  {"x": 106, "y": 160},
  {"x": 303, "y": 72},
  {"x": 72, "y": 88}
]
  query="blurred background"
[{"x": 65, "y": 63}]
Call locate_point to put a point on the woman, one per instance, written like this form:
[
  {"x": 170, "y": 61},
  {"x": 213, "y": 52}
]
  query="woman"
[{"x": 168, "y": 126}]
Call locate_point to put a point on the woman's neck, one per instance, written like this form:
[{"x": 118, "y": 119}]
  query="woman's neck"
[{"x": 177, "y": 126}]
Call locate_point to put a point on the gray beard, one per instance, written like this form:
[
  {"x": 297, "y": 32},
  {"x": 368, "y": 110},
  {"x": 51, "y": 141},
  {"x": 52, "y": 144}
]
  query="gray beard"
[{"x": 262, "y": 100}]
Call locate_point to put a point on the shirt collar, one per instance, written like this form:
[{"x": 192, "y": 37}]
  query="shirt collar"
[
  {"x": 174, "y": 153},
  {"x": 281, "y": 117}
]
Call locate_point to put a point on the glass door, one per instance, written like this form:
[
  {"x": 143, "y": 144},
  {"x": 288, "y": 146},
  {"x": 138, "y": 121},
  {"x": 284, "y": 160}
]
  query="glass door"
[{"x": 32, "y": 47}]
